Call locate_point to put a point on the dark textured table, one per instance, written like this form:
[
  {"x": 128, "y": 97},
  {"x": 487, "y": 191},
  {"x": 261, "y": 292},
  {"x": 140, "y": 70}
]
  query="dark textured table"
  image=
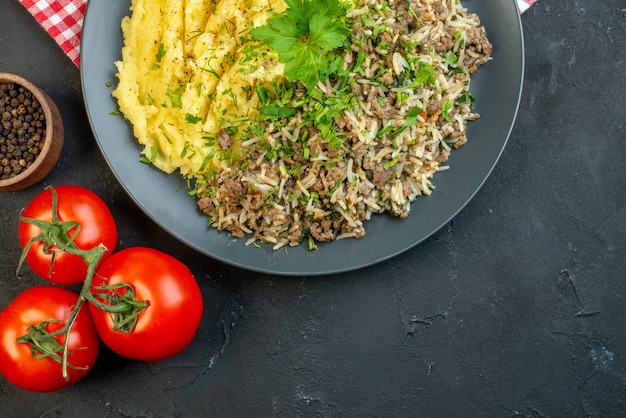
[{"x": 517, "y": 307}]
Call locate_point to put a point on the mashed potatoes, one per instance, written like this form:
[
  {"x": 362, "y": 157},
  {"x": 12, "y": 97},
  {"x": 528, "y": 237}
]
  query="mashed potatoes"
[{"x": 183, "y": 76}]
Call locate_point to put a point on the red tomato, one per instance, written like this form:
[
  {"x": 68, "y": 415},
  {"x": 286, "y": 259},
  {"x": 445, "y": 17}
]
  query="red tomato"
[
  {"x": 174, "y": 304},
  {"x": 77, "y": 204},
  {"x": 33, "y": 307}
]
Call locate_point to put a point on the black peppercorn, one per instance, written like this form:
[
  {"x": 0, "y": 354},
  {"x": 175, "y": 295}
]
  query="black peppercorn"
[{"x": 22, "y": 129}]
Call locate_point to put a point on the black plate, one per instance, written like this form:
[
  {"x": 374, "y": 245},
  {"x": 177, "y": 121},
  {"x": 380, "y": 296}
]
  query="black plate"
[{"x": 496, "y": 86}]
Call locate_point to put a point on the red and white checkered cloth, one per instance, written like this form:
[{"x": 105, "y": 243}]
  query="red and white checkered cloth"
[
  {"x": 525, "y": 4},
  {"x": 63, "y": 20}
]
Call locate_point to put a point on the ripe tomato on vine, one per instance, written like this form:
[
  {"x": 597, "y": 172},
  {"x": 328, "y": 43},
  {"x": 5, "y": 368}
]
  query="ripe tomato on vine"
[
  {"x": 60, "y": 218},
  {"x": 174, "y": 303},
  {"x": 33, "y": 340}
]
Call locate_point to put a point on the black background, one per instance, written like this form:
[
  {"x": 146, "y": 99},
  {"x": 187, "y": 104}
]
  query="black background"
[{"x": 514, "y": 308}]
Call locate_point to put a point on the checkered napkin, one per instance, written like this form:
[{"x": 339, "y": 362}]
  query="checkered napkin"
[
  {"x": 63, "y": 20},
  {"x": 525, "y": 4}
]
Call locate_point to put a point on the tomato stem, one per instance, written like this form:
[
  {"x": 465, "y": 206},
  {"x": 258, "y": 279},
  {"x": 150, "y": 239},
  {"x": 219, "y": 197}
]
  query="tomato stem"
[
  {"x": 122, "y": 305},
  {"x": 120, "y": 298},
  {"x": 54, "y": 233},
  {"x": 38, "y": 335},
  {"x": 44, "y": 344}
]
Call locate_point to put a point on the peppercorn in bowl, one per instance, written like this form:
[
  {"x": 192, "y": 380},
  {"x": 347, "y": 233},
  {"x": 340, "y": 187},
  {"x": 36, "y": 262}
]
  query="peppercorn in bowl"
[{"x": 31, "y": 133}]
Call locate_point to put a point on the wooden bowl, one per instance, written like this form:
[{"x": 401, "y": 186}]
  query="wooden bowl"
[{"x": 49, "y": 152}]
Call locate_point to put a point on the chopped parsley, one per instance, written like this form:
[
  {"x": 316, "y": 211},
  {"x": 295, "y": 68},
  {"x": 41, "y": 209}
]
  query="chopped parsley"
[
  {"x": 160, "y": 53},
  {"x": 175, "y": 96},
  {"x": 159, "y": 56},
  {"x": 192, "y": 118},
  {"x": 303, "y": 36}
]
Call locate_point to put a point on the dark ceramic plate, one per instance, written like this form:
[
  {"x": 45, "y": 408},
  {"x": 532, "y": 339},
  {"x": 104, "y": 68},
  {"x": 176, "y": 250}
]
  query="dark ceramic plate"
[{"x": 496, "y": 86}]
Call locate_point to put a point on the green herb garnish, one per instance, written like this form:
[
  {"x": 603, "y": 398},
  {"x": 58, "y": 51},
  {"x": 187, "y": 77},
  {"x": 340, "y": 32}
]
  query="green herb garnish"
[
  {"x": 160, "y": 53},
  {"x": 445, "y": 111},
  {"x": 303, "y": 36},
  {"x": 175, "y": 96},
  {"x": 411, "y": 117},
  {"x": 192, "y": 118}
]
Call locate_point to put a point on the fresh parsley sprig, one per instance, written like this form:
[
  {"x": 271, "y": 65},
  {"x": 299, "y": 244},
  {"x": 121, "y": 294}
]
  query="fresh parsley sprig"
[{"x": 303, "y": 36}]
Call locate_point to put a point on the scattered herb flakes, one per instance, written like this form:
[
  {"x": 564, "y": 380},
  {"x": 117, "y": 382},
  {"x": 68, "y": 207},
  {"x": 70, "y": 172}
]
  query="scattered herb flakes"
[
  {"x": 192, "y": 118},
  {"x": 175, "y": 96}
]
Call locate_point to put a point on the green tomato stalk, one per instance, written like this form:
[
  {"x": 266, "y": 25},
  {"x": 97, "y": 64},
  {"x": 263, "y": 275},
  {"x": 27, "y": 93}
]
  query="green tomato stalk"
[{"x": 119, "y": 299}]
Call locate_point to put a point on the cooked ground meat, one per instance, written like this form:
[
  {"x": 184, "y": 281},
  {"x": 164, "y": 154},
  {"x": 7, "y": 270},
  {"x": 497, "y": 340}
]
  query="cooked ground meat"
[
  {"x": 205, "y": 204},
  {"x": 224, "y": 140}
]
